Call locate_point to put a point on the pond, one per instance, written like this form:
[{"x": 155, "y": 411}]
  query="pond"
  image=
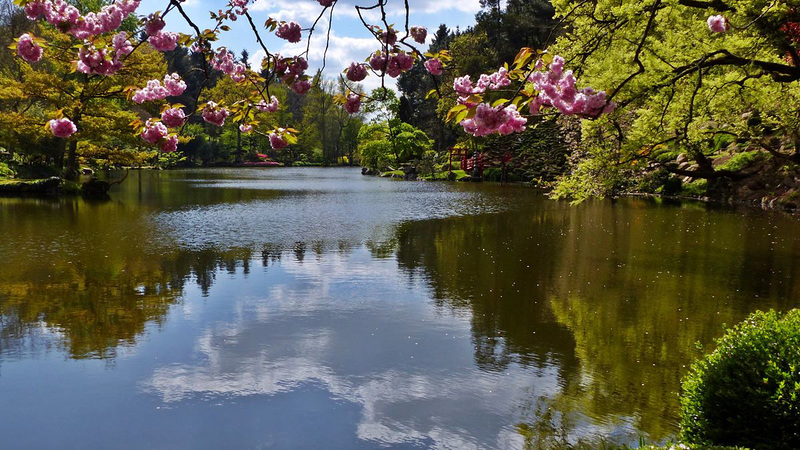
[{"x": 317, "y": 308}]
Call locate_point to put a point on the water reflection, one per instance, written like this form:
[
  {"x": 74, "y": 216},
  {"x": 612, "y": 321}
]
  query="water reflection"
[
  {"x": 617, "y": 298},
  {"x": 264, "y": 304}
]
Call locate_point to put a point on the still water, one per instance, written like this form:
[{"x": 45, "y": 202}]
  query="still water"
[{"x": 316, "y": 308}]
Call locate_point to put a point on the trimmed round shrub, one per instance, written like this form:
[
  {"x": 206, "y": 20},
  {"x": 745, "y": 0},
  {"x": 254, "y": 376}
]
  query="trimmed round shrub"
[{"x": 747, "y": 392}]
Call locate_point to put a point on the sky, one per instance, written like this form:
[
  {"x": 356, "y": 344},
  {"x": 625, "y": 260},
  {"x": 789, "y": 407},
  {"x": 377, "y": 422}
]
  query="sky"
[{"x": 349, "y": 41}]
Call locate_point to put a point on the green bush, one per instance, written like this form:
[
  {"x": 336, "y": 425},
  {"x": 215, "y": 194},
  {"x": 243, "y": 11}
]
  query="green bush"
[
  {"x": 747, "y": 392},
  {"x": 696, "y": 188},
  {"x": 742, "y": 160},
  {"x": 5, "y": 171}
]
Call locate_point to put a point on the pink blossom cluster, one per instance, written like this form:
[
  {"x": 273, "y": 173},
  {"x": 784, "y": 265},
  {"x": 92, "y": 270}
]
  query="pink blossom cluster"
[
  {"x": 300, "y": 87},
  {"x": 153, "y": 25},
  {"x": 276, "y": 141},
  {"x": 92, "y": 60},
  {"x": 62, "y": 128},
  {"x": 272, "y": 106},
  {"x": 464, "y": 87},
  {"x": 169, "y": 144},
  {"x": 214, "y": 114},
  {"x": 289, "y": 31},
  {"x": 557, "y": 89},
  {"x": 434, "y": 66},
  {"x": 164, "y": 41},
  {"x": 393, "y": 65},
  {"x": 173, "y": 117},
  {"x": 292, "y": 71},
  {"x": 68, "y": 18},
  {"x": 389, "y": 37},
  {"x": 377, "y": 61},
  {"x": 717, "y": 23},
  {"x": 356, "y": 72},
  {"x": 240, "y": 5},
  {"x": 419, "y": 34},
  {"x": 245, "y": 128},
  {"x": 499, "y": 119},
  {"x": 122, "y": 46},
  {"x": 326, "y": 3},
  {"x": 154, "y": 131},
  {"x": 225, "y": 62},
  {"x": 353, "y": 103},
  {"x": 28, "y": 49},
  {"x": 173, "y": 87}
]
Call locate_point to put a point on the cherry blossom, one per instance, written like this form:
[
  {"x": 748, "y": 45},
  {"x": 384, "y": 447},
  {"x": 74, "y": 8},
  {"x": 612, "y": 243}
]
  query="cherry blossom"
[
  {"x": 399, "y": 63},
  {"x": 214, "y": 114},
  {"x": 488, "y": 120},
  {"x": 464, "y": 88},
  {"x": 301, "y": 87},
  {"x": 353, "y": 103},
  {"x": 717, "y": 24},
  {"x": 277, "y": 142},
  {"x": 245, "y": 128},
  {"x": 122, "y": 46},
  {"x": 240, "y": 5},
  {"x": 67, "y": 17},
  {"x": 169, "y": 144},
  {"x": 62, "y": 128},
  {"x": 154, "y": 131},
  {"x": 173, "y": 86},
  {"x": 419, "y": 34},
  {"x": 272, "y": 106},
  {"x": 164, "y": 41},
  {"x": 356, "y": 72},
  {"x": 28, "y": 49},
  {"x": 173, "y": 117},
  {"x": 434, "y": 66},
  {"x": 289, "y": 31},
  {"x": 389, "y": 37},
  {"x": 377, "y": 62},
  {"x": 557, "y": 88},
  {"x": 92, "y": 60},
  {"x": 154, "y": 25},
  {"x": 326, "y": 3}
]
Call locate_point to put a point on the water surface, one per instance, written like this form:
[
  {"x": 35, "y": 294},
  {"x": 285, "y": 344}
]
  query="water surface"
[{"x": 316, "y": 308}]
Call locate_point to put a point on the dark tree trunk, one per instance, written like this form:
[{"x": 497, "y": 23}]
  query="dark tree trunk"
[{"x": 71, "y": 167}]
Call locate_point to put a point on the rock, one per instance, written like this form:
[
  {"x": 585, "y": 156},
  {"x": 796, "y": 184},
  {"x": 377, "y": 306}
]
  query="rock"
[
  {"x": 46, "y": 186},
  {"x": 95, "y": 188},
  {"x": 409, "y": 173},
  {"x": 682, "y": 158}
]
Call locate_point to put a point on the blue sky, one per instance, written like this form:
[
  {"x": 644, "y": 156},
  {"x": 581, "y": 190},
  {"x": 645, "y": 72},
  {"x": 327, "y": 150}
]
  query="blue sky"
[{"x": 349, "y": 40}]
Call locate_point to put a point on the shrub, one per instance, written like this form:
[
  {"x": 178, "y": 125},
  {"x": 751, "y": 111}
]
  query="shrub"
[
  {"x": 747, "y": 392},
  {"x": 5, "y": 171},
  {"x": 742, "y": 160}
]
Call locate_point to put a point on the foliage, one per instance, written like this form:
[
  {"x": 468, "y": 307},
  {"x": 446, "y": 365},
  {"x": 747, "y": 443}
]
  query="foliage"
[
  {"x": 5, "y": 171},
  {"x": 386, "y": 144},
  {"x": 740, "y": 161},
  {"x": 31, "y": 94},
  {"x": 680, "y": 84},
  {"x": 747, "y": 392}
]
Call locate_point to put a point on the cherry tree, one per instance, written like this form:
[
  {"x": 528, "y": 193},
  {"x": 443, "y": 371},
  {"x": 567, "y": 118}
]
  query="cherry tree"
[{"x": 499, "y": 102}]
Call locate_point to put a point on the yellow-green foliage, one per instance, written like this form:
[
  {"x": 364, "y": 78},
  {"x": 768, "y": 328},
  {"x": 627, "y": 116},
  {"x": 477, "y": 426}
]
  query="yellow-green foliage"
[{"x": 668, "y": 100}]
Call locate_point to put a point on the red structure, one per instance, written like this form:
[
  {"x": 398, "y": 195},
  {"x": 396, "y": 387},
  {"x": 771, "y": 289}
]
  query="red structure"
[{"x": 476, "y": 162}]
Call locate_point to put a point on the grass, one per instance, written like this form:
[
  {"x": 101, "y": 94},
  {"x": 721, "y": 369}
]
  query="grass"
[{"x": 392, "y": 173}]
